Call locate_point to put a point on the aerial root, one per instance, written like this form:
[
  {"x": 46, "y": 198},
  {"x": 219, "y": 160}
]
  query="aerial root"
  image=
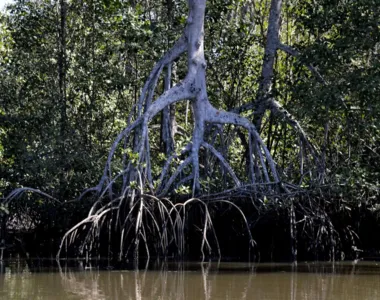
[
  {"x": 146, "y": 222},
  {"x": 223, "y": 161}
]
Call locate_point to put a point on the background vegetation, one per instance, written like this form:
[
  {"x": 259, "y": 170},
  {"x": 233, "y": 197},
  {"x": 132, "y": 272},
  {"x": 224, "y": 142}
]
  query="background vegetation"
[{"x": 71, "y": 71}]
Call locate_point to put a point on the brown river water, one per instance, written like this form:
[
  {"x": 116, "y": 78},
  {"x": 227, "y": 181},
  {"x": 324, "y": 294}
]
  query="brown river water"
[{"x": 193, "y": 281}]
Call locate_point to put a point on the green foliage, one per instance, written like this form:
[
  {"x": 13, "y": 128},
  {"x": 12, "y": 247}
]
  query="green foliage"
[
  {"x": 4, "y": 209},
  {"x": 106, "y": 61},
  {"x": 342, "y": 40}
]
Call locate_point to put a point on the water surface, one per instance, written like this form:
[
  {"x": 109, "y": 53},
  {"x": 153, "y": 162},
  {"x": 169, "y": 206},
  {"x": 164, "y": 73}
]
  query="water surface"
[{"x": 195, "y": 281}]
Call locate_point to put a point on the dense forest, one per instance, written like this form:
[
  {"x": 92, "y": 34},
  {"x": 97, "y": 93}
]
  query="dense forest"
[{"x": 190, "y": 129}]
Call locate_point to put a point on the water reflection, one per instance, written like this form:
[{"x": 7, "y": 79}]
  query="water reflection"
[{"x": 198, "y": 281}]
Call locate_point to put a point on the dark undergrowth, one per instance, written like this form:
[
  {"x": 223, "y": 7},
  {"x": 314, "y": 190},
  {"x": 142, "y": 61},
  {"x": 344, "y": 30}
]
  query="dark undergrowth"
[{"x": 320, "y": 224}]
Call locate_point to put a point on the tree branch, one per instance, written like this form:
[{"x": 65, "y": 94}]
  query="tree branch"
[
  {"x": 312, "y": 69},
  {"x": 150, "y": 84},
  {"x": 223, "y": 161}
]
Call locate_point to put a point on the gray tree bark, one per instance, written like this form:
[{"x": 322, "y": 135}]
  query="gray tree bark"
[
  {"x": 192, "y": 88},
  {"x": 267, "y": 72}
]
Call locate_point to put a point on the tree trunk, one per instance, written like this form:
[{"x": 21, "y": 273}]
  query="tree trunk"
[
  {"x": 192, "y": 88},
  {"x": 267, "y": 72},
  {"x": 168, "y": 120},
  {"x": 62, "y": 95}
]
